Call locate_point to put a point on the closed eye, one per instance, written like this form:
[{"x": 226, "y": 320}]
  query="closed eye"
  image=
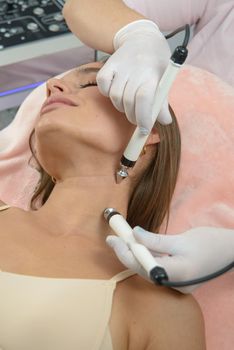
[{"x": 88, "y": 84}]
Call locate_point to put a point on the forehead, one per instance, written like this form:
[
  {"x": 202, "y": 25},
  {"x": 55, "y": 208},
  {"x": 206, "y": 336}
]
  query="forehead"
[{"x": 91, "y": 64}]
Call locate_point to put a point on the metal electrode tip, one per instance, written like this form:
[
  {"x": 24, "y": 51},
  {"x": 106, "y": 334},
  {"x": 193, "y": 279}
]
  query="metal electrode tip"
[
  {"x": 109, "y": 212},
  {"x": 121, "y": 174}
]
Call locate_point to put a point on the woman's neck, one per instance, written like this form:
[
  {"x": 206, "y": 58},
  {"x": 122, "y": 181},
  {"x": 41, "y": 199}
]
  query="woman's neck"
[{"x": 76, "y": 206}]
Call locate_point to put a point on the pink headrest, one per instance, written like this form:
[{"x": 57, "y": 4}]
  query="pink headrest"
[
  {"x": 204, "y": 194},
  {"x": 204, "y": 107}
]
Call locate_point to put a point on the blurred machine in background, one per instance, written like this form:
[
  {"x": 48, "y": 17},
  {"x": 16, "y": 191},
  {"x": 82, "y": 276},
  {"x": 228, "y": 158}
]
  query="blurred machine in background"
[
  {"x": 24, "y": 21},
  {"x": 35, "y": 44}
]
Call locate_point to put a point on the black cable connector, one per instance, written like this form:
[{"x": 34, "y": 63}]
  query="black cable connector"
[
  {"x": 179, "y": 55},
  {"x": 158, "y": 275}
]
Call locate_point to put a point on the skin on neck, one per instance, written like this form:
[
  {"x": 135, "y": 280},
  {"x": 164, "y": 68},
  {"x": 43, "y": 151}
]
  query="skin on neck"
[{"x": 76, "y": 205}]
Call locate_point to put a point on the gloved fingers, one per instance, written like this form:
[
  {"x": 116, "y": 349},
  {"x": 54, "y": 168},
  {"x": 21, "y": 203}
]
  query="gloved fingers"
[
  {"x": 164, "y": 116},
  {"x": 145, "y": 97},
  {"x": 178, "y": 269},
  {"x": 155, "y": 254},
  {"x": 123, "y": 253},
  {"x": 114, "y": 241},
  {"x": 156, "y": 242},
  {"x": 104, "y": 78},
  {"x": 175, "y": 266},
  {"x": 117, "y": 89},
  {"x": 129, "y": 98},
  {"x": 138, "y": 99}
]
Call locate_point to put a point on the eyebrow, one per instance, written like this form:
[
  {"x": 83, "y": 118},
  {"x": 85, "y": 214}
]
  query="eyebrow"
[{"x": 88, "y": 70}]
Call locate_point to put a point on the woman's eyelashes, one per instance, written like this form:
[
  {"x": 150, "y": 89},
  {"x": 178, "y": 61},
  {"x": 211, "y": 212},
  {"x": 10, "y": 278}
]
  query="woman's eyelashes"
[{"x": 88, "y": 84}]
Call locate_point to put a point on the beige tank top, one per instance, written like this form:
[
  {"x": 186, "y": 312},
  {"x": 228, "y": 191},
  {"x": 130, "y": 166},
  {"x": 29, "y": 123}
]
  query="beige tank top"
[{"x": 41, "y": 313}]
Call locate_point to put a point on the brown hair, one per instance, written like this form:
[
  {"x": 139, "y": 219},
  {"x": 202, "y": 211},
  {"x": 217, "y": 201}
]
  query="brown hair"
[{"x": 150, "y": 201}]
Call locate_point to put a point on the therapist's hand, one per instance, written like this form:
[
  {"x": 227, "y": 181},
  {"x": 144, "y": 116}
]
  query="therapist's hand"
[
  {"x": 190, "y": 255},
  {"x": 131, "y": 75}
]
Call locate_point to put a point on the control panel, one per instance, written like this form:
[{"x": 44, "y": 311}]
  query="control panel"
[{"x": 24, "y": 21}]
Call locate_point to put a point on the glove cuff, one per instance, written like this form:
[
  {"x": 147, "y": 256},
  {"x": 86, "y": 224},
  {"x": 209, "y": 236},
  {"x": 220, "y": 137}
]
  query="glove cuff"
[{"x": 140, "y": 26}]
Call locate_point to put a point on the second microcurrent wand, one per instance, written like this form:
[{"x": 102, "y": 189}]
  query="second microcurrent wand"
[{"x": 120, "y": 226}]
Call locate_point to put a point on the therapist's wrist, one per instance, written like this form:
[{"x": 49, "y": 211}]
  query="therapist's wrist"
[
  {"x": 140, "y": 26},
  {"x": 96, "y": 22}
]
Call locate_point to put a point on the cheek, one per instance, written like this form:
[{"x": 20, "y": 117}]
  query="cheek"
[
  {"x": 99, "y": 124},
  {"x": 108, "y": 126}
]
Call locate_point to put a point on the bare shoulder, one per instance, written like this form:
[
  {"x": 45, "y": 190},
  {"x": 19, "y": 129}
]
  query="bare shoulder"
[
  {"x": 10, "y": 221},
  {"x": 4, "y": 213},
  {"x": 161, "y": 318}
]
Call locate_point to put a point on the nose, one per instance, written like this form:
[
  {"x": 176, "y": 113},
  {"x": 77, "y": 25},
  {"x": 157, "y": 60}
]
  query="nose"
[{"x": 56, "y": 85}]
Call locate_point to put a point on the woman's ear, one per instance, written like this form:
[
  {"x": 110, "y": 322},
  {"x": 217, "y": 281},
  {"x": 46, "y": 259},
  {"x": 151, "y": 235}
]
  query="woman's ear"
[{"x": 153, "y": 137}]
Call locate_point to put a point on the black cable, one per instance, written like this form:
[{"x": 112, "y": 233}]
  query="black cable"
[
  {"x": 178, "y": 30},
  {"x": 185, "y": 28},
  {"x": 159, "y": 276},
  {"x": 187, "y": 36},
  {"x": 95, "y": 55}
]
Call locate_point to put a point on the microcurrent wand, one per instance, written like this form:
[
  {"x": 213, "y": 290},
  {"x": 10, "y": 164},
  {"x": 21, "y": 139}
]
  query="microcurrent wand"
[
  {"x": 120, "y": 226},
  {"x": 138, "y": 140},
  {"x": 154, "y": 270}
]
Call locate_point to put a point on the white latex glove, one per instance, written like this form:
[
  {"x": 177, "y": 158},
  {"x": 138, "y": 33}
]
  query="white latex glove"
[
  {"x": 190, "y": 255},
  {"x": 131, "y": 75}
]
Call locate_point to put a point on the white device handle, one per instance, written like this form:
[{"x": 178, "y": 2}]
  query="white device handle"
[
  {"x": 122, "y": 228},
  {"x": 141, "y": 253},
  {"x": 137, "y": 141}
]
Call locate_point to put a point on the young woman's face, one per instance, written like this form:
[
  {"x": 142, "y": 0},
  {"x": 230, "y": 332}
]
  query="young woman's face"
[{"x": 80, "y": 126}]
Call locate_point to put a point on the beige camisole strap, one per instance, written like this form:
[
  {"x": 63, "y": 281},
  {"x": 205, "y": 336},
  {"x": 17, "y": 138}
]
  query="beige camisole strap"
[
  {"x": 43, "y": 313},
  {"x": 4, "y": 207},
  {"x": 122, "y": 276}
]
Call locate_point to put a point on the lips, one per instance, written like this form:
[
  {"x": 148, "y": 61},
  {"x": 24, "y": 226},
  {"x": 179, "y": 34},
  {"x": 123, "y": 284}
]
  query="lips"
[{"x": 52, "y": 101}]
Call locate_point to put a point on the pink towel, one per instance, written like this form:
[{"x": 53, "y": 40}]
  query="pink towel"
[
  {"x": 17, "y": 178},
  {"x": 204, "y": 194},
  {"x": 204, "y": 106}
]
